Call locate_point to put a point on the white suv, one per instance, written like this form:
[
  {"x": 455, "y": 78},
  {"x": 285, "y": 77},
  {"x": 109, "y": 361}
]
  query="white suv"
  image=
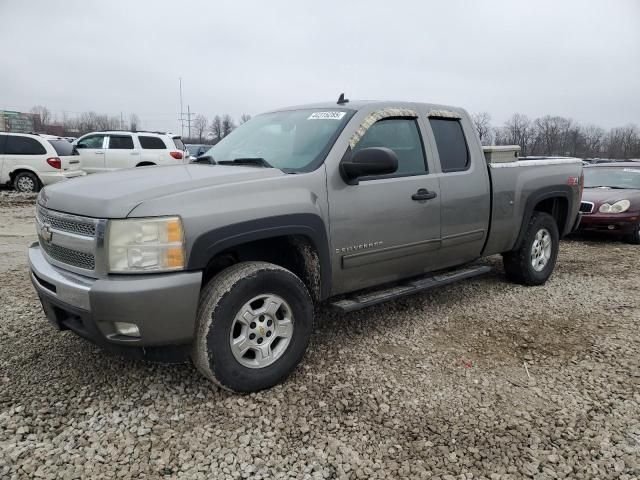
[
  {"x": 113, "y": 150},
  {"x": 29, "y": 161}
]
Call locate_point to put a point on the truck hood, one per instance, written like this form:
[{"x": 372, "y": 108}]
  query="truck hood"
[{"x": 115, "y": 194}]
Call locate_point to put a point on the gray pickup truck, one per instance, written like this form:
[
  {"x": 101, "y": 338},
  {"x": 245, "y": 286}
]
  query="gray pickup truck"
[{"x": 345, "y": 204}]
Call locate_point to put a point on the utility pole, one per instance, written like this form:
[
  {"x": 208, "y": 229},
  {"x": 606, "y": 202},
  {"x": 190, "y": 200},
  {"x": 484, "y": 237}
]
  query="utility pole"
[
  {"x": 189, "y": 120},
  {"x": 181, "y": 111}
]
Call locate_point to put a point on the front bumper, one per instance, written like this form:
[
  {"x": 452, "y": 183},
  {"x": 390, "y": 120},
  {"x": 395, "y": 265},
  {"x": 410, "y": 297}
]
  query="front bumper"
[
  {"x": 47, "y": 178},
  {"x": 162, "y": 306},
  {"x": 615, "y": 224}
]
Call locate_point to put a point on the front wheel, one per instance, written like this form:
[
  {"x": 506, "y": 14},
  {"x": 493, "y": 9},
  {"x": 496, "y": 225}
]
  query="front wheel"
[
  {"x": 254, "y": 324},
  {"x": 533, "y": 262},
  {"x": 634, "y": 237}
]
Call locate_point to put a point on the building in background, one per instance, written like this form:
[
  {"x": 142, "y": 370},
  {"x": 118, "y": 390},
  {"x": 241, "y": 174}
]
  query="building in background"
[{"x": 19, "y": 122}]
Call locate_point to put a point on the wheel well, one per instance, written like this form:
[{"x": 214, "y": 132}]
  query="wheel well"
[
  {"x": 145, "y": 164},
  {"x": 12, "y": 175},
  {"x": 557, "y": 207},
  {"x": 293, "y": 252}
]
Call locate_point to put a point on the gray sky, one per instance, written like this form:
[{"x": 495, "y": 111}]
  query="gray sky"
[{"x": 577, "y": 58}]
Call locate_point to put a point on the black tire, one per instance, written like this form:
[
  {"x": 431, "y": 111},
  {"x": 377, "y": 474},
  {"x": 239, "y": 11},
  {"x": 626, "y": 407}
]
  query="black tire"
[
  {"x": 26, "y": 182},
  {"x": 146, "y": 164},
  {"x": 518, "y": 263},
  {"x": 634, "y": 238},
  {"x": 222, "y": 299}
]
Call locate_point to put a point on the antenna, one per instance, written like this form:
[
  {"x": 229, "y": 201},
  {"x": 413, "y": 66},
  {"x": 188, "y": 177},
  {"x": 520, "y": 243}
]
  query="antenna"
[{"x": 342, "y": 100}]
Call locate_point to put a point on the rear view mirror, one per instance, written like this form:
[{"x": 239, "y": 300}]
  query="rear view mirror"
[{"x": 368, "y": 162}]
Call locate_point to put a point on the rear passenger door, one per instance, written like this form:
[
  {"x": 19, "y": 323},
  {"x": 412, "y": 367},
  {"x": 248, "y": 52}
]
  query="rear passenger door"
[
  {"x": 21, "y": 151},
  {"x": 464, "y": 189},
  {"x": 91, "y": 150},
  {"x": 121, "y": 152}
]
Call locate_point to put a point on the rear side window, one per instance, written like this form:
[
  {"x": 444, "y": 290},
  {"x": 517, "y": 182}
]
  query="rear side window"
[
  {"x": 451, "y": 143},
  {"x": 178, "y": 143},
  {"x": 152, "y": 143},
  {"x": 400, "y": 135},
  {"x": 120, "y": 142},
  {"x": 63, "y": 148},
  {"x": 24, "y": 146},
  {"x": 3, "y": 141}
]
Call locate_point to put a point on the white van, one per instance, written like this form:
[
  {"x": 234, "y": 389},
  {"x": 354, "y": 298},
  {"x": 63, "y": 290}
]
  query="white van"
[
  {"x": 113, "y": 150},
  {"x": 29, "y": 161}
]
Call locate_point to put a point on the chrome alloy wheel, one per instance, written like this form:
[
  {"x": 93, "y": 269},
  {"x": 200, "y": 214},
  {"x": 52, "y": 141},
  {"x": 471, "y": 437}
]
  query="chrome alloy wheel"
[
  {"x": 26, "y": 184},
  {"x": 541, "y": 250},
  {"x": 261, "y": 331}
]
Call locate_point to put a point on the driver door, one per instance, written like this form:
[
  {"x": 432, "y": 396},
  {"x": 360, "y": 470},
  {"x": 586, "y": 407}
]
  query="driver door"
[
  {"x": 384, "y": 229},
  {"x": 91, "y": 149}
]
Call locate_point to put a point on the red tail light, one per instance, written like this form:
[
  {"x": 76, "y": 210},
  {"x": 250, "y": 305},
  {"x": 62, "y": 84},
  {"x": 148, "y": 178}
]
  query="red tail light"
[
  {"x": 176, "y": 155},
  {"x": 55, "y": 162}
]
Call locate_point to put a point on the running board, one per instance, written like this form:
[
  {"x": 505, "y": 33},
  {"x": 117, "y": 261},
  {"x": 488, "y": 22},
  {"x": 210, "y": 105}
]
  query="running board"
[{"x": 357, "y": 302}]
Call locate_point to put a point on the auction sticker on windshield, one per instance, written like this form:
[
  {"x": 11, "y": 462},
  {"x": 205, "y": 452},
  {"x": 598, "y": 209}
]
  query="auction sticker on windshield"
[{"x": 326, "y": 115}]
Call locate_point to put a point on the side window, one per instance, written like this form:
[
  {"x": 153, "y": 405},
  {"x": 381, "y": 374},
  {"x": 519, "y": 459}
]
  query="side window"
[
  {"x": 152, "y": 143},
  {"x": 451, "y": 143},
  {"x": 120, "y": 142},
  {"x": 402, "y": 136},
  {"x": 3, "y": 141},
  {"x": 17, "y": 145},
  {"x": 93, "y": 141}
]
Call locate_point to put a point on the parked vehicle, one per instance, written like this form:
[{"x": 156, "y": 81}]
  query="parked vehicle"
[
  {"x": 29, "y": 161},
  {"x": 225, "y": 260},
  {"x": 611, "y": 200},
  {"x": 114, "y": 150},
  {"x": 197, "y": 150}
]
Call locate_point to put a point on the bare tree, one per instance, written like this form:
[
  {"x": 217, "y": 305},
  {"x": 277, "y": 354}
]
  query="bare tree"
[
  {"x": 244, "y": 118},
  {"x": 200, "y": 124},
  {"x": 482, "y": 122},
  {"x": 227, "y": 125},
  {"x": 516, "y": 131},
  {"x": 134, "y": 122},
  {"x": 43, "y": 113},
  {"x": 216, "y": 128},
  {"x": 593, "y": 137}
]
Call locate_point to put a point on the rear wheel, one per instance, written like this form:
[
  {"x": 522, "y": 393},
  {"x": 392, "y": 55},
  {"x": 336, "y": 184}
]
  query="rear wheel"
[
  {"x": 254, "y": 324},
  {"x": 533, "y": 262},
  {"x": 26, "y": 182}
]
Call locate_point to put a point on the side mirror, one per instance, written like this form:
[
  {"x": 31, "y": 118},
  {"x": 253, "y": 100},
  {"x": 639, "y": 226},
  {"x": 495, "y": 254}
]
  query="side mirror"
[
  {"x": 368, "y": 162},
  {"x": 206, "y": 160}
]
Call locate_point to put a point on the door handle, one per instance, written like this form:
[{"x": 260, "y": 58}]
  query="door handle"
[
  {"x": 423, "y": 194},
  {"x": 99, "y": 152}
]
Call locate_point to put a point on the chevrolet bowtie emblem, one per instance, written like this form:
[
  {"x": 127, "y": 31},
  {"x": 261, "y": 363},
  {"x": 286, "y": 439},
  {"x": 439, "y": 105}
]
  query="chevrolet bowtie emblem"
[{"x": 45, "y": 232}]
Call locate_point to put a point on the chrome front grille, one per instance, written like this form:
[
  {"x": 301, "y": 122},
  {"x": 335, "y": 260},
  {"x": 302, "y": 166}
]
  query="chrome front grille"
[
  {"x": 69, "y": 257},
  {"x": 586, "y": 207},
  {"x": 67, "y": 223},
  {"x": 71, "y": 241}
]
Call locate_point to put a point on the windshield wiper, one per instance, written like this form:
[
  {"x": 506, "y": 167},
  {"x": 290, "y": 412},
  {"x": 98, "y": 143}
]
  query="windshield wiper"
[{"x": 257, "y": 161}]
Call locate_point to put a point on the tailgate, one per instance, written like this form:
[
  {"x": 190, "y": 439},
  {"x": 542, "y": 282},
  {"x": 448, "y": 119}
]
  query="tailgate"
[{"x": 70, "y": 163}]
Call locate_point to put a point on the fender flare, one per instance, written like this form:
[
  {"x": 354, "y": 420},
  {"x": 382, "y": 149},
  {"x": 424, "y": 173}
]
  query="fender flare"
[
  {"x": 554, "y": 191},
  {"x": 208, "y": 244}
]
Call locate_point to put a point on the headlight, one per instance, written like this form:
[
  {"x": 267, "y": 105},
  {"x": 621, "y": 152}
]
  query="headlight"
[
  {"x": 618, "y": 207},
  {"x": 145, "y": 245}
]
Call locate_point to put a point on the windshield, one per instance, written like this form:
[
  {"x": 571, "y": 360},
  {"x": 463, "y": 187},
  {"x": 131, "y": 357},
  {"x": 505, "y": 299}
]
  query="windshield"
[
  {"x": 194, "y": 149},
  {"x": 295, "y": 140},
  {"x": 615, "y": 177}
]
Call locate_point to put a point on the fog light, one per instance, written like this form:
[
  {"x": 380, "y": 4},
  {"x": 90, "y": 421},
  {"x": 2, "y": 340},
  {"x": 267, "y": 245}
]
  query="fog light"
[{"x": 127, "y": 329}]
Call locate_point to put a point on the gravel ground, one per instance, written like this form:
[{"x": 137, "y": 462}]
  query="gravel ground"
[{"x": 431, "y": 386}]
